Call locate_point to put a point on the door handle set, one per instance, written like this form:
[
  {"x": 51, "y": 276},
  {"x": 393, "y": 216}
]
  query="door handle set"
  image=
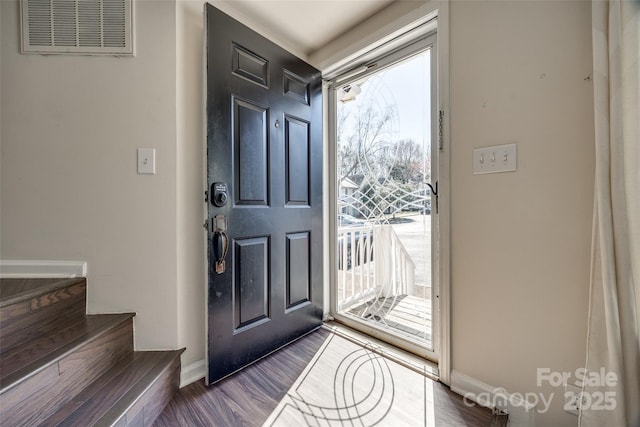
[
  {"x": 220, "y": 243},
  {"x": 219, "y": 197}
]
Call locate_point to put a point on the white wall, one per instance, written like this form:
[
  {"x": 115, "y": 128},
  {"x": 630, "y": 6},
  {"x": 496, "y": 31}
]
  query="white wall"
[
  {"x": 70, "y": 191},
  {"x": 521, "y": 241}
]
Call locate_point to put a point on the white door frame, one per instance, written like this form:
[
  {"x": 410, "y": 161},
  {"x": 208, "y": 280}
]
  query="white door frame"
[{"x": 422, "y": 21}]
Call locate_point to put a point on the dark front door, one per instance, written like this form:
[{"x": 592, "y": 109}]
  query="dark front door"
[{"x": 264, "y": 170}]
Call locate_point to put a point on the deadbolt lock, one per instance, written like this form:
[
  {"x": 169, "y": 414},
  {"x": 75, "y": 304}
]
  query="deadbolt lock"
[{"x": 219, "y": 192}]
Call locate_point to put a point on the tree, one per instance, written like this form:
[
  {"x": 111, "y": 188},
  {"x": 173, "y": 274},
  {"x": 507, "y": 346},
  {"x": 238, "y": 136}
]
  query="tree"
[
  {"x": 363, "y": 134},
  {"x": 408, "y": 162},
  {"x": 390, "y": 172}
]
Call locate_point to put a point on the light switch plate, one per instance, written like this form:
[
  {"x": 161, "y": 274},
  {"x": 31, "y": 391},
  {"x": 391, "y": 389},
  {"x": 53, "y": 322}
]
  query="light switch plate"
[
  {"x": 499, "y": 158},
  {"x": 146, "y": 160}
]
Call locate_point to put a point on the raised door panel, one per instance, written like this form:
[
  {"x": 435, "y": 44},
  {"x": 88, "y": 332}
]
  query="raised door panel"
[
  {"x": 298, "y": 257},
  {"x": 252, "y": 282},
  {"x": 251, "y": 152},
  {"x": 296, "y": 147}
]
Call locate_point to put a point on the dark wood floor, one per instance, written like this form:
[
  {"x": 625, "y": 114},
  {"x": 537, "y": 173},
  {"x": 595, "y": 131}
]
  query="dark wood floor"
[{"x": 250, "y": 396}]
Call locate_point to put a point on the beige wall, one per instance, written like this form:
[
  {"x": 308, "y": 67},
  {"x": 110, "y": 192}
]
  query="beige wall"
[
  {"x": 521, "y": 241},
  {"x": 190, "y": 158},
  {"x": 70, "y": 191}
]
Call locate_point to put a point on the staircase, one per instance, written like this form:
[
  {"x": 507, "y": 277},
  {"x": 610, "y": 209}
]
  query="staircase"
[{"x": 60, "y": 366}]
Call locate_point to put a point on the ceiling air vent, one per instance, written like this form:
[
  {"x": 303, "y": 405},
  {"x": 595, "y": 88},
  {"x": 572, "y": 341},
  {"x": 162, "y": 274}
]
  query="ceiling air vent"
[{"x": 86, "y": 27}]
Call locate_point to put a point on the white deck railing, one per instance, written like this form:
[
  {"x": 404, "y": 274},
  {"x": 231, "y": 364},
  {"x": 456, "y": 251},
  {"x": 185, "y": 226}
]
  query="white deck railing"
[{"x": 372, "y": 263}]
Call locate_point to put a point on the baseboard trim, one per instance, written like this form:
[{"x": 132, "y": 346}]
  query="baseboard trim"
[
  {"x": 18, "y": 269},
  {"x": 521, "y": 413},
  {"x": 192, "y": 373}
]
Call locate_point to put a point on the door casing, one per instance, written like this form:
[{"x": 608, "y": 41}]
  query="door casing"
[{"x": 441, "y": 143}]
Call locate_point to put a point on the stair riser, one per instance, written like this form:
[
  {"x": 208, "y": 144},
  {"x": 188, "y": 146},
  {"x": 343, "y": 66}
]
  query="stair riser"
[
  {"x": 151, "y": 404},
  {"x": 33, "y": 400},
  {"x": 28, "y": 319},
  {"x": 164, "y": 390}
]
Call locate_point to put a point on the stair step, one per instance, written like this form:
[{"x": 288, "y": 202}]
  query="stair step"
[
  {"x": 134, "y": 392},
  {"x": 30, "y": 308},
  {"x": 15, "y": 290},
  {"x": 49, "y": 371}
]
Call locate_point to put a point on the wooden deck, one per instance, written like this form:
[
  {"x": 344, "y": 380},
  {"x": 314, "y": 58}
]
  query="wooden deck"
[{"x": 403, "y": 314}]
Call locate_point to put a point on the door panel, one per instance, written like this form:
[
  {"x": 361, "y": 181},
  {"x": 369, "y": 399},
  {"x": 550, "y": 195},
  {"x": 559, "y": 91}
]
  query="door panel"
[
  {"x": 250, "y": 66},
  {"x": 298, "y": 280},
  {"x": 297, "y": 157},
  {"x": 296, "y": 87},
  {"x": 264, "y": 141},
  {"x": 251, "y": 150},
  {"x": 252, "y": 282}
]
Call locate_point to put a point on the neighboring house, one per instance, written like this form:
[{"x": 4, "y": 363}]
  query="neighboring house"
[{"x": 346, "y": 199}]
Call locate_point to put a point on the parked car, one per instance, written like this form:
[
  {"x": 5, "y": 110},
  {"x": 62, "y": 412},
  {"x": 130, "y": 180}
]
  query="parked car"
[{"x": 345, "y": 220}]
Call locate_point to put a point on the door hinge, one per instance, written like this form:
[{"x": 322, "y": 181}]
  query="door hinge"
[
  {"x": 440, "y": 129},
  {"x": 206, "y": 225},
  {"x": 206, "y": 196}
]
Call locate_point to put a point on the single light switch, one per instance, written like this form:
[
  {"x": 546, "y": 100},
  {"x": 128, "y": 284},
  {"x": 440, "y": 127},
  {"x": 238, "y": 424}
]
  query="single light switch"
[
  {"x": 146, "y": 160},
  {"x": 500, "y": 158}
]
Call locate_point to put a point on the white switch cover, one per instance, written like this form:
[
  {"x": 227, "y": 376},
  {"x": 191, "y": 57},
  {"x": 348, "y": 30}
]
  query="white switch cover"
[
  {"x": 500, "y": 158},
  {"x": 146, "y": 160}
]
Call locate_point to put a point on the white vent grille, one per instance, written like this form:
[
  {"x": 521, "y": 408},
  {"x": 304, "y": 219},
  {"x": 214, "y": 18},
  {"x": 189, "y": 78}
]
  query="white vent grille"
[{"x": 91, "y": 27}]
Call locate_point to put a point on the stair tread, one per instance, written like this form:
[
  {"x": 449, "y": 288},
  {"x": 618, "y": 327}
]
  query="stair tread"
[
  {"x": 108, "y": 397},
  {"x": 73, "y": 368},
  {"x": 13, "y": 291},
  {"x": 23, "y": 320},
  {"x": 136, "y": 393},
  {"x": 31, "y": 357}
]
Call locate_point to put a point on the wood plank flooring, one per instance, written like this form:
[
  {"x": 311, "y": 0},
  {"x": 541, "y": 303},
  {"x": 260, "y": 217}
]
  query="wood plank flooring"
[{"x": 249, "y": 397}]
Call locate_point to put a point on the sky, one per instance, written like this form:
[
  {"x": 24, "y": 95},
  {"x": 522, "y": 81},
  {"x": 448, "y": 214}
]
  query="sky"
[{"x": 405, "y": 85}]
